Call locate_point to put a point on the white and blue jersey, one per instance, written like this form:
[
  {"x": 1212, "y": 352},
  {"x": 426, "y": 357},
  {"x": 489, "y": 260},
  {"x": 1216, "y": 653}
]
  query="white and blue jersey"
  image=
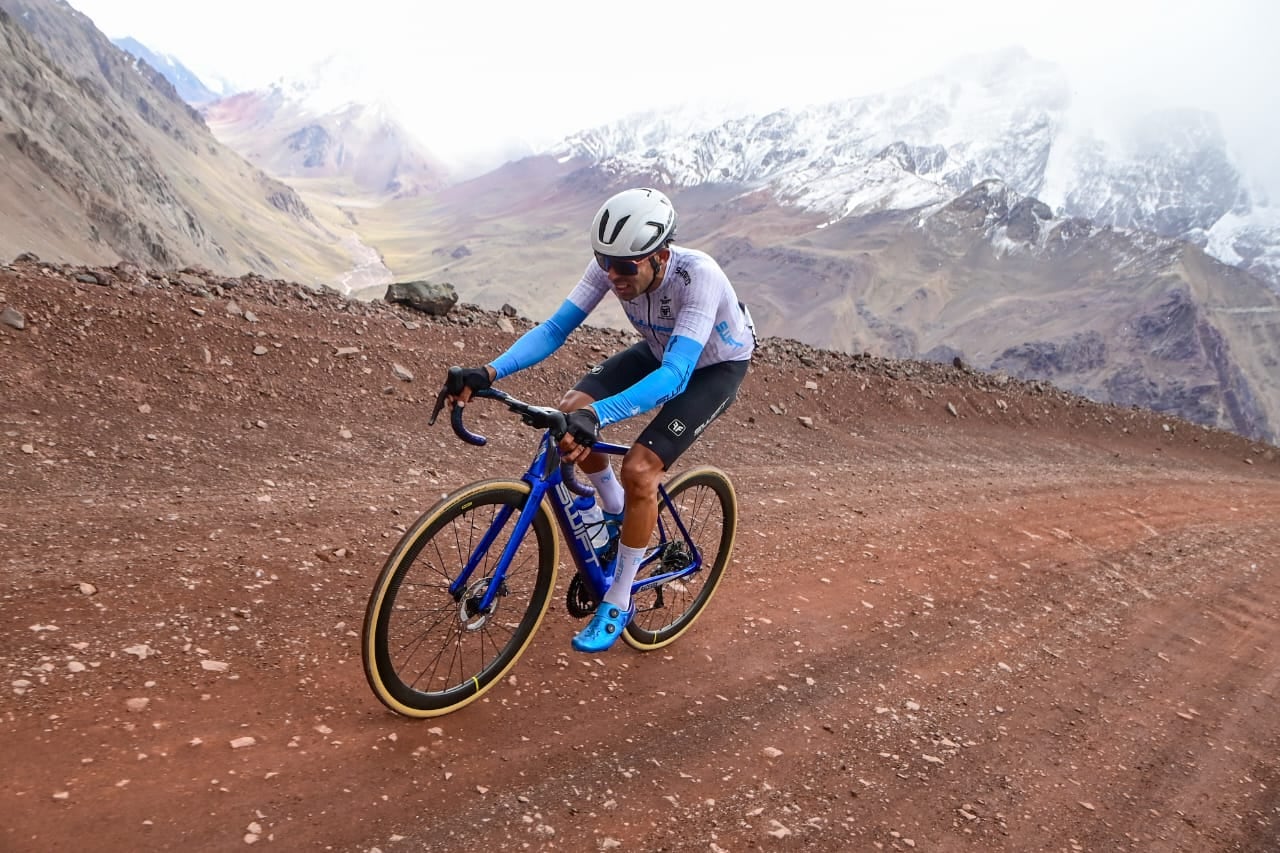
[{"x": 691, "y": 319}]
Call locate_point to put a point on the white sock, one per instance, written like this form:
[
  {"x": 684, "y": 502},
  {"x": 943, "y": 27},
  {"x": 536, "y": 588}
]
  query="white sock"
[
  {"x": 619, "y": 593},
  {"x": 609, "y": 493}
]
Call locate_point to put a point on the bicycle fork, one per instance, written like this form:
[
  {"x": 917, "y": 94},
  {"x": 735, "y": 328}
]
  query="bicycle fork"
[{"x": 476, "y": 600}]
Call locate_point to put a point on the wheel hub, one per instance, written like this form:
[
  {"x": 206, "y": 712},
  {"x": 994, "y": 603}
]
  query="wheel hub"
[{"x": 470, "y": 615}]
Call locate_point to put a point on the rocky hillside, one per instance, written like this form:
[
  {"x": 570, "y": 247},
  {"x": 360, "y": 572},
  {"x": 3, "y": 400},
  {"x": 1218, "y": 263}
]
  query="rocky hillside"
[
  {"x": 103, "y": 161},
  {"x": 997, "y": 279}
]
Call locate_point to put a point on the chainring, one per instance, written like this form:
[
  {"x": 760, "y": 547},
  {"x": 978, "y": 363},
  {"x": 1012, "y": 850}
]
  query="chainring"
[{"x": 580, "y": 601}]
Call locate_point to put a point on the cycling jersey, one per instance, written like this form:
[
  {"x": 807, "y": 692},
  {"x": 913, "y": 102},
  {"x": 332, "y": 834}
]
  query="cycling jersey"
[
  {"x": 691, "y": 319},
  {"x": 694, "y": 300}
]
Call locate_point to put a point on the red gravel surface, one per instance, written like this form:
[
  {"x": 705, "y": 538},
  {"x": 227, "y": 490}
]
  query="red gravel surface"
[{"x": 963, "y": 612}]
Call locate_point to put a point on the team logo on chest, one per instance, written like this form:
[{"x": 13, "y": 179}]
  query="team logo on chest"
[{"x": 664, "y": 308}]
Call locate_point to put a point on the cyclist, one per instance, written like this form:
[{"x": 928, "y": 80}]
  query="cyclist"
[{"x": 697, "y": 344}]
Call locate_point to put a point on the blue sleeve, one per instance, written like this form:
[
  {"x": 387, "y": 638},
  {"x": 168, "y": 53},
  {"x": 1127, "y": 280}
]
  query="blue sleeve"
[
  {"x": 671, "y": 377},
  {"x": 540, "y": 341}
]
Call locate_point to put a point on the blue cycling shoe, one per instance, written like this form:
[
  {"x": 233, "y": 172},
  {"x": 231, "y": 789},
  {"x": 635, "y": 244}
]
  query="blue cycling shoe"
[{"x": 604, "y": 628}]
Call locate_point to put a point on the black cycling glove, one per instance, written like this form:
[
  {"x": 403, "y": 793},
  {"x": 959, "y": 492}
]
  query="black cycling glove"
[
  {"x": 475, "y": 378},
  {"x": 584, "y": 426}
]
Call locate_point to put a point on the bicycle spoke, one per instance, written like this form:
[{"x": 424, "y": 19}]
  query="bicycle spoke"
[
  {"x": 704, "y": 504},
  {"x": 430, "y": 646}
]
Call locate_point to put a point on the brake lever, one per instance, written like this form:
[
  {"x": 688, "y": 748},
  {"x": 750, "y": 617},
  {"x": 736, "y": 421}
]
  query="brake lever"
[{"x": 440, "y": 400}]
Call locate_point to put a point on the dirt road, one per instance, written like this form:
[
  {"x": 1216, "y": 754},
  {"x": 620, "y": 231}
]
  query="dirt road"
[{"x": 964, "y": 613}]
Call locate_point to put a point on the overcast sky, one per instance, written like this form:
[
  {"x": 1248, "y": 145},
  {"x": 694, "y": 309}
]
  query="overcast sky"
[{"x": 474, "y": 71}]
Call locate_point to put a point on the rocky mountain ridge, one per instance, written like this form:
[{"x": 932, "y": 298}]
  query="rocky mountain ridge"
[
  {"x": 1186, "y": 326},
  {"x": 185, "y": 82},
  {"x": 361, "y": 144},
  {"x": 1002, "y": 282},
  {"x": 105, "y": 161},
  {"x": 1005, "y": 116}
]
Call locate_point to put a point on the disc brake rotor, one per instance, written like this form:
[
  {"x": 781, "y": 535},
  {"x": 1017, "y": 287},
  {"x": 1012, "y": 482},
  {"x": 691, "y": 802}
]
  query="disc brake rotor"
[{"x": 469, "y": 612}]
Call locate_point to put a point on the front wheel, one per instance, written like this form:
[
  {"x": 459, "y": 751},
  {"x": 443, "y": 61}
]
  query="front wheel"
[
  {"x": 704, "y": 501},
  {"x": 430, "y": 648}
]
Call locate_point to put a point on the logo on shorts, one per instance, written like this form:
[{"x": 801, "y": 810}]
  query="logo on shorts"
[
  {"x": 596, "y": 369},
  {"x": 676, "y": 427}
]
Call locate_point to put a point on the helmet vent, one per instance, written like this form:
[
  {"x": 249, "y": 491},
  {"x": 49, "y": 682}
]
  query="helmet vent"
[{"x": 617, "y": 229}]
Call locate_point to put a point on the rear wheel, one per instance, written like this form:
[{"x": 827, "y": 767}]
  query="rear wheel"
[
  {"x": 428, "y": 651},
  {"x": 706, "y": 504}
]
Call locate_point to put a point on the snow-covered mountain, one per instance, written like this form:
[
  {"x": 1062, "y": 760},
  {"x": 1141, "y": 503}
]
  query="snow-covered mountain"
[
  {"x": 1005, "y": 116},
  {"x": 971, "y": 215}
]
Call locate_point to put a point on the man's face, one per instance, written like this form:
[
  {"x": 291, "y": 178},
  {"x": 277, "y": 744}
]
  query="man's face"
[{"x": 628, "y": 285}]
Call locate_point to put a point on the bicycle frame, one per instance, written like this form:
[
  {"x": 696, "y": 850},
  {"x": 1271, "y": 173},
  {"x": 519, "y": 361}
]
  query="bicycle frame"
[{"x": 545, "y": 478}]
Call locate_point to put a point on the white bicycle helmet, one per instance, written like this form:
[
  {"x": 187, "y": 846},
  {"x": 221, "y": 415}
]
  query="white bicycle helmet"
[{"x": 633, "y": 223}]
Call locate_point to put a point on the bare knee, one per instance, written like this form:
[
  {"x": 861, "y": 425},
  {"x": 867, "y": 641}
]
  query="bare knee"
[
  {"x": 641, "y": 471},
  {"x": 574, "y": 400}
]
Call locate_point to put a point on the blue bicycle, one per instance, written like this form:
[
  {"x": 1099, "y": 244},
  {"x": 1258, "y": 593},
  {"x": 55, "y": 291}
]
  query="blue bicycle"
[{"x": 462, "y": 594}]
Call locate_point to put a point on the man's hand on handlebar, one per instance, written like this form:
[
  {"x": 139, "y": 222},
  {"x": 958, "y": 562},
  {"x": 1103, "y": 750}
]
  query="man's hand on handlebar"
[
  {"x": 461, "y": 381},
  {"x": 577, "y": 431},
  {"x": 581, "y": 435}
]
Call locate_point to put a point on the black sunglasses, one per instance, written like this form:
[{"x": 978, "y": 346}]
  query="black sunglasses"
[{"x": 622, "y": 265}]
